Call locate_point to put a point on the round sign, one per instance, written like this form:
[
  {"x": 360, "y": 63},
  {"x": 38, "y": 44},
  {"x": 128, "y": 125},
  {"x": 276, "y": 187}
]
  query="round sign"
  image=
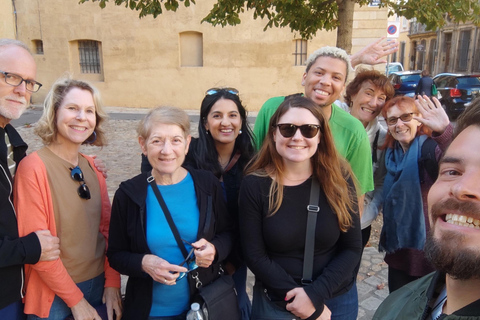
[{"x": 392, "y": 29}]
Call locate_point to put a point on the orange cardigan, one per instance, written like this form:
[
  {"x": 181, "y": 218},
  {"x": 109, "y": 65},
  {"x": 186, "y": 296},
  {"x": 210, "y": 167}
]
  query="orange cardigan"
[{"x": 33, "y": 203}]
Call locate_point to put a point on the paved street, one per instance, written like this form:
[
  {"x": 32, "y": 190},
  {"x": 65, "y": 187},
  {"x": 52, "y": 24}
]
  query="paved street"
[{"x": 122, "y": 156}]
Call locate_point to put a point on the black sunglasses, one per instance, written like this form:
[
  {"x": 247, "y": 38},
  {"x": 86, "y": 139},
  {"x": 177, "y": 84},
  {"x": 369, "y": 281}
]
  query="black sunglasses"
[
  {"x": 77, "y": 175},
  {"x": 288, "y": 130},
  {"x": 189, "y": 261},
  {"x": 211, "y": 91}
]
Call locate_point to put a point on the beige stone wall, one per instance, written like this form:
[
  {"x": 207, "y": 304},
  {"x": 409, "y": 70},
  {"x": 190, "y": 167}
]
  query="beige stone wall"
[
  {"x": 142, "y": 58},
  {"x": 7, "y": 20}
]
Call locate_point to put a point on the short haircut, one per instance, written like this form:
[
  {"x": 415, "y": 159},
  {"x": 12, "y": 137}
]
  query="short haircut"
[
  {"x": 470, "y": 117},
  {"x": 164, "y": 115},
  {"x": 379, "y": 80},
  {"x": 332, "y": 52},
  {"x": 4, "y": 42},
  {"x": 47, "y": 125}
]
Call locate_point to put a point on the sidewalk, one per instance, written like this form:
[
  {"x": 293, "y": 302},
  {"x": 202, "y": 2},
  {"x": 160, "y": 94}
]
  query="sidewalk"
[{"x": 123, "y": 156}]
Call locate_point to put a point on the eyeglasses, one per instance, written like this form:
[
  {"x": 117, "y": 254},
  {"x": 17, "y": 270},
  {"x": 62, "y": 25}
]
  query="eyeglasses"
[
  {"x": 211, "y": 91},
  {"x": 189, "y": 261},
  {"x": 77, "y": 175},
  {"x": 288, "y": 130},
  {"x": 15, "y": 80},
  {"x": 406, "y": 117}
]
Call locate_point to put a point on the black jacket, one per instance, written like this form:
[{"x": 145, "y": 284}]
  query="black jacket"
[
  {"x": 424, "y": 86},
  {"x": 14, "y": 251},
  {"x": 127, "y": 242}
]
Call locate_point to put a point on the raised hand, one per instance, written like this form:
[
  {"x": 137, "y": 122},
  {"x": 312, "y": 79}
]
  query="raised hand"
[
  {"x": 374, "y": 52},
  {"x": 432, "y": 114}
]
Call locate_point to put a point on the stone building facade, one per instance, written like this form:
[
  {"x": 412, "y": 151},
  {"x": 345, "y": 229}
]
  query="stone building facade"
[{"x": 170, "y": 60}]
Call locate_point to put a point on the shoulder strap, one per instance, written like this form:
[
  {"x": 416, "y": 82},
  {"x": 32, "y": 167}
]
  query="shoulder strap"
[
  {"x": 313, "y": 210},
  {"x": 168, "y": 216},
  {"x": 375, "y": 147},
  {"x": 427, "y": 160}
]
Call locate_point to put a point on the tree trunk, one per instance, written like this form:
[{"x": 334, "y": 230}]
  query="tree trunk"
[{"x": 345, "y": 28}]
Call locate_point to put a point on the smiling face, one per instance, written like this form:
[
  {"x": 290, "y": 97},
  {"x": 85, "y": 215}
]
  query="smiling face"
[
  {"x": 454, "y": 207},
  {"x": 367, "y": 103},
  {"x": 76, "y": 118},
  {"x": 14, "y": 100},
  {"x": 296, "y": 149},
  {"x": 403, "y": 132},
  {"x": 325, "y": 80},
  {"x": 165, "y": 148},
  {"x": 224, "y": 122}
]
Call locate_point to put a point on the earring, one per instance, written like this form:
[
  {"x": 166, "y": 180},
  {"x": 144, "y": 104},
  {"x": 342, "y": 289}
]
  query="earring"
[
  {"x": 208, "y": 132},
  {"x": 92, "y": 138},
  {"x": 239, "y": 131}
]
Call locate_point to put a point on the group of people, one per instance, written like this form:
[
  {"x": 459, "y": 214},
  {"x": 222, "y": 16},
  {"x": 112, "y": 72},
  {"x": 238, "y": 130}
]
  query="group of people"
[{"x": 293, "y": 201}]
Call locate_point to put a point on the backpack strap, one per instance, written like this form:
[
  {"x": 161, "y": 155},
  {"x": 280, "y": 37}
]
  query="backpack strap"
[{"x": 428, "y": 161}]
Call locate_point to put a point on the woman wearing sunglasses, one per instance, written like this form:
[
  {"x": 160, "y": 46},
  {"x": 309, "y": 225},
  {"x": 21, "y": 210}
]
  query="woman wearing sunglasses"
[
  {"x": 273, "y": 202},
  {"x": 142, "y": 244},
  {"x": 418, "y": 133},
  {"x": 59, "y": 189},
  {"x": 224, "y": 147}
]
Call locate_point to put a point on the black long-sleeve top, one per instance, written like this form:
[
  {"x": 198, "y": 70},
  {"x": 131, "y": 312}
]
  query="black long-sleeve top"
[{"x": 274, "y": 246}]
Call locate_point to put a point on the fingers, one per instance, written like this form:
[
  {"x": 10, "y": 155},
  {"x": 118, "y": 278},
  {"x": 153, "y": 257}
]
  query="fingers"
[
  {"x": 50, "y": 245},
  {"x": 204, "y": 253}
]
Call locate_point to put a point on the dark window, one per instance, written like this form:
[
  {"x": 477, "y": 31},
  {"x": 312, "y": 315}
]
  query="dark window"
[
  {"x": 463, "y": 48},
  {"x": 402, "y": 51},
  {"x": 300, "y": 53},
  {"x": 38, "y": 46},
  {"x": 89, "y": 56}
]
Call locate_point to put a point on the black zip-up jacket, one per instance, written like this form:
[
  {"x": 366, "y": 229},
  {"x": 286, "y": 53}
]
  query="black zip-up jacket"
[
  {"x": 14, "y": 251},
  {"x": 127, "y": 244}
]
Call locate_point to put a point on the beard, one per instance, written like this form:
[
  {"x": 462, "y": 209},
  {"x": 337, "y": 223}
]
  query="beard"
[
  {"x": 12, "y": 112},
  {"x": 448, "y": 253}
]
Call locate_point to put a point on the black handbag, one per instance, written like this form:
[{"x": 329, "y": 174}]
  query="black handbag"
[{"x": 213, "y": 289}]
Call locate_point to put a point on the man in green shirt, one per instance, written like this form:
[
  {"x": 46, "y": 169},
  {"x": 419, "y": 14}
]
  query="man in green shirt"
[{"x": 324, "y": 81}]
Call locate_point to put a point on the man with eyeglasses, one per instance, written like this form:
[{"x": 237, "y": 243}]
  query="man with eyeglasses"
[
  {"x": 453, "y": 242},
  {"x": 17, "y": 83}
]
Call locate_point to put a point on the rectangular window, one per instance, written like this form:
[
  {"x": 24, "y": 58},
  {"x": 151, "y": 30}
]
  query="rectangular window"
[
  {"x": 300, "y": 53},
  {"x": 89, "y": 56},
  {"x": 463, "y": 49},
  {"x": 38, "y": 46}
]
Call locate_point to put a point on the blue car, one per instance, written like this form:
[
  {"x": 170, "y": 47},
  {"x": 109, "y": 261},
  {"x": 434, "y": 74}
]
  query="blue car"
[
  {"x": 456, "y": 91},
  {"x": 405, "y": 82}
]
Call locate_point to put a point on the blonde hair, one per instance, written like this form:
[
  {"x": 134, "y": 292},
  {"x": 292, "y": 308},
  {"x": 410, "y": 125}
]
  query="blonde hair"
[
  {"x": 163, "y": 115},
  {"x": 329, "y": 168},
  {"x": 332, "y": 52},
  {"x": 47, "y": 125}
]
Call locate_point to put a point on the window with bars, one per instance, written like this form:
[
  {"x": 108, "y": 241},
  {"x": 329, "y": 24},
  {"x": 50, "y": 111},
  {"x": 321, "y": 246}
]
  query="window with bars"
[
  {"x": 89, "y": 54},
  {"x": 38, "y": 44},
  {"x": 463, "y": 49},
  {"x": 300, "y": 53}
]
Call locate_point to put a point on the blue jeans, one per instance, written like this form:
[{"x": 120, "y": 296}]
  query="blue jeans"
[
  {"x": 345, "y": 306},
  {"x": 13, "y": 311},
  {"x": 92, "y": 292}
]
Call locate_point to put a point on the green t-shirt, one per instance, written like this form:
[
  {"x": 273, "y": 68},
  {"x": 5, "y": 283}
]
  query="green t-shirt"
[{"x": 348, "y": 133}]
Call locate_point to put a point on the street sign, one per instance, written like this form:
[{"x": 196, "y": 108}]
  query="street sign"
[{"x": 393, "y": 29}]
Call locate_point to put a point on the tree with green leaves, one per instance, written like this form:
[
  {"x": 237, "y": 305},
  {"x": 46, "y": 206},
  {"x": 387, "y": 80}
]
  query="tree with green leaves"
[{"x": 309, "y": 16}]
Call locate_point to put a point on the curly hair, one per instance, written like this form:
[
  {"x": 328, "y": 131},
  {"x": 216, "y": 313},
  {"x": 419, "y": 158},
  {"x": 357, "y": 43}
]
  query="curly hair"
[
  {"x": 47, "y": 129},
  {"x": 379, "y": 80},
  {"x": 332, "y": 52}
]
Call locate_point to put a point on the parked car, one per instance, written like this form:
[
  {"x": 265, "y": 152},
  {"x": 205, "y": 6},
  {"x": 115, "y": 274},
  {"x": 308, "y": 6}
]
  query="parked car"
[
  {"x": 405, "y": 82},
  {"x": 393, "y": 67},
  {"x": 455, "y": 91}
]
